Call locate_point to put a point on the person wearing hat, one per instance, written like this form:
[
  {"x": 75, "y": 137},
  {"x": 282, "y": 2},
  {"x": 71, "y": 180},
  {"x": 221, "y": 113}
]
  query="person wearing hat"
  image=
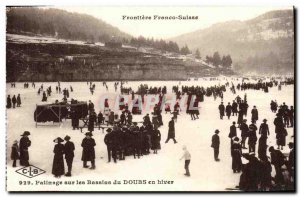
[
  {"x": 291, "y": 162},
  {"x": 228, "y": 110},
  {"x": 254, "y": 114},
  {"x": 88, "y": 150},
  {"x": 109, "y": 140},
  {"x": 264, "y": 129},
  {"x": 252, "y": 138},
  {"x": 215, "y": 144},
  {"x": 236, "y": 154},
  {"x": 25, "y": 143},
  {"x": 221, "y": 110},
  {"x": 92, "y": 120},
  {"x": 69, "y": 154},
  {"x": 244, "y": 133},
  {"x": 232, "y": 132},
  {"x": 15, "y": 153},
  {"x": 171, "y": 132},
  {"x": 58, "y": 167}
]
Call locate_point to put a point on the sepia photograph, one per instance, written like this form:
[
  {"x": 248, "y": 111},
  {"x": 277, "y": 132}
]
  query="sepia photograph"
[{"x": 150, "y": 99}]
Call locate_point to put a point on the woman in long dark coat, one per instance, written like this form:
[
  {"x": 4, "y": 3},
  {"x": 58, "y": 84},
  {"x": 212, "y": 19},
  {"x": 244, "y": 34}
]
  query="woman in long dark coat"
[
  {"x": 15, "y": 153},
  {"x": 58, "y": 167},
  {"x": 236, "y": 153},
  {"x": 92, "y": 119},
  {"x": 156, "y": 137},
  {"x": 262, "y": 147},
  {"x": 8, "y": 102},
  {"x": 25, "y": 143},
  {"x": 240, "y": 117},
  {"x": 88, "y": 151},
  {"x": 281, "y": 137},
  {"x": 18, "y": 101}
]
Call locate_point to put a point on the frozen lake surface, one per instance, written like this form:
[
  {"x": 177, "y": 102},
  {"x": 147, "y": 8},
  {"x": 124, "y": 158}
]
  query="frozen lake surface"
[{"x": 206, "y": 174}]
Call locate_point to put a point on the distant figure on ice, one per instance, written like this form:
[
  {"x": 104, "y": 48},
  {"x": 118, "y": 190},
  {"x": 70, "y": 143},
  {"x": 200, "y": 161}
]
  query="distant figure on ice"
[
  {"x": 88, "y": 153},
  {"x": 221, "y": 110},
  {"x": 228, "y": 110},
  {"x": 14, "y": 101},
  {"x": 215, "y": 144},
  {"x": 58, "y": 167},
  {"x": 171, "y": 133},
  {"x": 44, "y": 99},
  {"x": 254, "y": 114},
  {"x": 24, "y": 144},
  {"x": 19, "y": 101},
  {"x": 15, "y": 153},
  {"x": 69, "y": 154},
  {"x": 187, "y": 160},
  {"x": 8, "y": 102}
]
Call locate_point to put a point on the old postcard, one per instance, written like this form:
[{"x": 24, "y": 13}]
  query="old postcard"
[{"x": 165, "y": 99}]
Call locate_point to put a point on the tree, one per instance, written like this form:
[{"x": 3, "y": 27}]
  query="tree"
[
  {"x": 216, "y": 59},
  {"x": 197, "y": 54},
  {"x": 185, "y": 50}
]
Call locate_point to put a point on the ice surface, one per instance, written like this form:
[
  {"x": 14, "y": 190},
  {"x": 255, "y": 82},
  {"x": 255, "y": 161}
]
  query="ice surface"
[{"x": 206, "y": 174}]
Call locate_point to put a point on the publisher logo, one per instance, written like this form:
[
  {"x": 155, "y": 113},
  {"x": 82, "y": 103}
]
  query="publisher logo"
[{"x": 30, "y": 171}]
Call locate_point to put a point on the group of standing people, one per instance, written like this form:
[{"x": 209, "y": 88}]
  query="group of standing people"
[{"x": 13, "y": 102}]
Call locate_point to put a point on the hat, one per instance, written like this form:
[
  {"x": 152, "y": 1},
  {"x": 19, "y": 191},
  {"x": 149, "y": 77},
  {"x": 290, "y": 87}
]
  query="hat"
[
  {"x": 271, "y": 148},
  {"x": 217, "y": 131},
  {"x": 58, "y": 140},
  {"x": 236, "y": 139},
  {"x": 245, "y": 120},
  {"x": 264, "y": 120},
  {"x": 291, "y": 143},
  {"x": 135, "y": 123},
  {"x": 67, "y": 138},
  {"x": 89, "y": 134},
  {"x": 25, "y": 133},
  {"x": 108, "y": 130},
  {"x": 233, "y": 122}
]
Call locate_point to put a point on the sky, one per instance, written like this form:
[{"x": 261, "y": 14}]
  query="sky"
[{"x": 165, "y": 29}]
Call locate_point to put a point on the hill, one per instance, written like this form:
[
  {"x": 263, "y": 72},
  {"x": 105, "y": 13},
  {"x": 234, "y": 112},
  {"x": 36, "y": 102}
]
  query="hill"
[{"x": 264, "y": 44}]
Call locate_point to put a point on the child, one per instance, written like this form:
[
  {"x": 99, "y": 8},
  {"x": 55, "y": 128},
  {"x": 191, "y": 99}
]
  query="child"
[
  {"x": 15, "y": 153},
  {"x": 187, "y": 157}
]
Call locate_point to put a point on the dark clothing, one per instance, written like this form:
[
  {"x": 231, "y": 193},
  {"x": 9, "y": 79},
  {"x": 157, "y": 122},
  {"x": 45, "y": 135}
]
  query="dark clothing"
[
  {"x": 24, "y": 155},
  {"x": 69, "y": 154},
  {"x": 18, "y": 101},
  {"x": 155, "y": 139},
  {"x": 171, "y": 132},
  {"x": 254, "y": 114},
  {"x": 281, "y": 137},
  {"x": 221, "y": 110},
  {"x": 8, "y": 102},
  {"x": 92, "y": 119},
  {"x": 262, "y": 147},
  {"x": 88, "y": 152},
  {"x": 244, "y": 133},
  {"x": 264, "y": 129},
  {"x": 111, "y": 142},
  {"x": 58, "y": 168},
  {"x": 236, "y": 153},
  {"x": 215, "y": 144},
  {"x": 232, "y": 132},
  {"x": 228, "y": 110},
  {"x": 186, "y": 167},
  {"x": 277, "y": 159}
]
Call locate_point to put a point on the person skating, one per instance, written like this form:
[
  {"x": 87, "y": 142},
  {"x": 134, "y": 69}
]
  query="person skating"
[
  {"x": 69, "y": 154},
  {"x": 215, "y": 144},
  {"x": 15, "y": 153},
  {"x": 58, "y": 167},
  {"x": 171, "y": 132},
  {"x": 25, "y": 143},
  {"x": 187, "y": 160},
  {"x": 88, "y": 153}
]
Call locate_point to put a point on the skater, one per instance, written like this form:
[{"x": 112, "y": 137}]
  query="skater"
[
  {"x": 15, "y": 153},
  {"x": 88, "y": 152},
  {"x": 14, "y": 101},
  {"x": 171, "y": 133},
  {"x": 232, "y": 132},
  {"x": 254, "y": 114},
  {"x": 69, "y": 154},
  {"x": 187, "y": 160},
  {"x": 24, "y": 144},
  {"x": 18, "y": 101},
  {"x": 244, "y": 133},
  {"x": 215, "y": 144},
  {"x": 8, "y": 102},
  {"x": 236, "y": 154},
  {"x": 221, "y": 110},
  {"x": 228, "y": 110},
  {"x": 264, "y": 129},
  {"x": 58, "y": 167},
  {"x": 110, "y": 141}
]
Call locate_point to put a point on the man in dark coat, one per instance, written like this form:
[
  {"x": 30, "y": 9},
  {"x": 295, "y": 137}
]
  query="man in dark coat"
[
  {"x": 232, "y": 132},
  {"x": 171, "y": 133},
  {"x": 110, "y": 142},
  {"x": 24, "y": 144},
  {"x": 228, "y": 110},
  {"x": 69, "y": 154},
  {"x": 252, "y": 138},
  {"x": 244, "y": 133},
  {"x": 58, "y": 167},
  {"x": 91, "y": 106},
  {"x": 15, "y": 153},
  {"x": 240, "y": 117},
  {"x": 18, "y": 101},
  {"x": 264, "y": 129},
  {"x": 254, "y": 114},
  {"x": 277, "y": 159},
  {"x": 221, "y": 110},
  {"x": 75, "y": 120},
  {"x": 92, "y": 119},
  {"x": 8, "y": 102},
  {"x": 14, "y": 101},
  {"x": 88, "y": 152},
  {"x": 234, "y": 108},
  {"x": 262, "y": 147},
  {"x": 215, "y": 144},
  {"x": 236, "y": 154}
]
